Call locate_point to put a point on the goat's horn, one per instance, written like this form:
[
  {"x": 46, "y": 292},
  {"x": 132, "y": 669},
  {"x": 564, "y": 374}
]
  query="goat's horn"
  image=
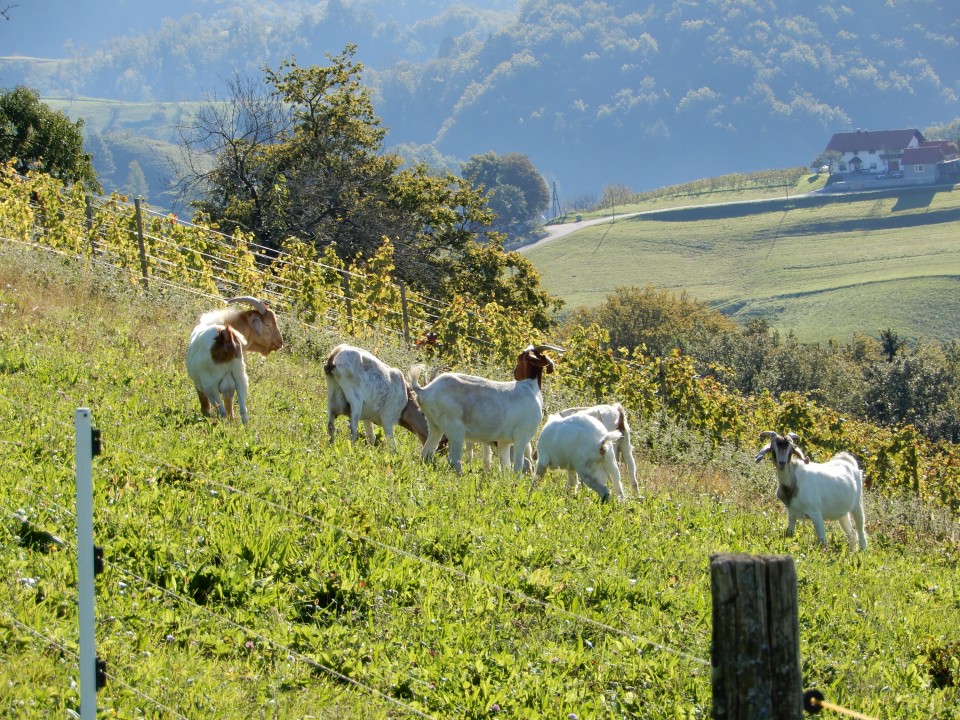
[
  {"x": 763, "y": 452},
  {"x": 258, "y": 304},
  {"x": 541, "y": 348},
  {"x": 768, "y": 434}
]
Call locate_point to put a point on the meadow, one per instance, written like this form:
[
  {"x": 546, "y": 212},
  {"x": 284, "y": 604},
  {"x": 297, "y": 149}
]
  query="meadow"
[
  {"x": 266, "y": 572},
  {"x": 820, "y": 271}
]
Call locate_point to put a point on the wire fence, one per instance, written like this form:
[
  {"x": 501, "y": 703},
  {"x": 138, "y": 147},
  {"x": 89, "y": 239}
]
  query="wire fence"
[{"x": 164, "y": 273}]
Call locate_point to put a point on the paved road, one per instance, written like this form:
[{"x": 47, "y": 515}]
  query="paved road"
[{"x": 558, "y": 231}]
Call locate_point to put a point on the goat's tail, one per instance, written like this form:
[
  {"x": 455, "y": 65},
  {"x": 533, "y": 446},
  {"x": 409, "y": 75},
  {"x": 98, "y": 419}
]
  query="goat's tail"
[
  {"x": 609, "y": 440},
  {"x": 413, "y": 376}
]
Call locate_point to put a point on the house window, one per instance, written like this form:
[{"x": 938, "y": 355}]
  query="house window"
[{"x": 919, "y": 169}]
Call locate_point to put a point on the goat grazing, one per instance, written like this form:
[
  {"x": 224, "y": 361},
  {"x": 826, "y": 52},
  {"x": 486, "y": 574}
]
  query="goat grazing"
[
  {"x": 215, "y": 365},
  {"x": 258, "y": 324},
  {"x": 820, "y": 491},
  {"x": 467, "y": 408},
  {"x": 362, "y": 387},
  {"x": 613, "y": 417},
  {"x": 583, "y": 446}
]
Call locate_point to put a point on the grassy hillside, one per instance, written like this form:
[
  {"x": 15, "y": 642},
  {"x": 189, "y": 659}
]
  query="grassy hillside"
[
  {"x": 263, "y": 572},
  {"x": 825, "y": 268}
]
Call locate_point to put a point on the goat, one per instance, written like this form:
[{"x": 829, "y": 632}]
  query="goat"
[
  {"x": 257, "y": 324},
  {"x": 613, "y": 417},
  {"x": 820, "y": 491},
  {"x": 216, "y": 367},
  {"x": 362, "y": 387},
  {"x": 475, "y": 409},
  {"x": 582, "y": 445}
]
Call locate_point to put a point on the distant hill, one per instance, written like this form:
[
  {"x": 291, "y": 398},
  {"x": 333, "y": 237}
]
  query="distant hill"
[
  {"x": 596, "y": 94},
  {"x": 819, "y": 266}
]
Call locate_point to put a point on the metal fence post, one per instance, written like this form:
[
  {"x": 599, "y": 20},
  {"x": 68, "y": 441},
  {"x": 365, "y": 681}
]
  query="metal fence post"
[
  {"x": 89, "y": 214},
  {"x": 756, "y": 638},
  {"x": 85, "y": 564}
]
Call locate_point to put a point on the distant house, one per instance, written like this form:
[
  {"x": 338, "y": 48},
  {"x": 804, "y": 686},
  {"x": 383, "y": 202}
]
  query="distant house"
[
  {"x": 935, "y": 161},
  {"x": 866, "y": 151}
]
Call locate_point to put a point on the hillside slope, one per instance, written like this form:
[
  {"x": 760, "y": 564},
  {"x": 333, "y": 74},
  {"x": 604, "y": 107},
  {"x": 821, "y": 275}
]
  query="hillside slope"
[
  {"x": 263, "y": 570},
  {"x": 819, "y": 266}
]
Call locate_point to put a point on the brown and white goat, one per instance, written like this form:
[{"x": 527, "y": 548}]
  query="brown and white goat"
[
  {"x": 258, "y": 323},
  {"x": 820, "y": 491},
  {"x": 468, "y": 408},
  {"x": 216, "y": 367},
  {"x": 362, "y": 387}
]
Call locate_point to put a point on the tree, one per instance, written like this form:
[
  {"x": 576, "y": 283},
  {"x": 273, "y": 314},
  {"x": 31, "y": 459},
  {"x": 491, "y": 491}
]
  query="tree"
[
  {"x": 658, "y": 319},
  {"x": 136, "y": 182},
  {"x": 39, "y": 138},
  {"x": 303, "y": 157},
  {"x": 516, "y": 191}
]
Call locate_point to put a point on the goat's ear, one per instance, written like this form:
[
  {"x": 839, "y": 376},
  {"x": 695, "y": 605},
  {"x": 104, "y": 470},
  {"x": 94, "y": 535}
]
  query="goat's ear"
[
  {"x": 256, "y": 322},
  {"x": 800, "y": 455},
  {"x": 763, "y": 452}
]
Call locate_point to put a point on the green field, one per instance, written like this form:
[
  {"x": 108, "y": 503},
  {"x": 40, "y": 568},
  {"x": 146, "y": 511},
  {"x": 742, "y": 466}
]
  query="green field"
[
  {"x": 820, "y": 271},
  {"x": 264, "y": 572}
]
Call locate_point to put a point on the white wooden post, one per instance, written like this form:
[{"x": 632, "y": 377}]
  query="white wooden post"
[{"x": 85, "y": 587}]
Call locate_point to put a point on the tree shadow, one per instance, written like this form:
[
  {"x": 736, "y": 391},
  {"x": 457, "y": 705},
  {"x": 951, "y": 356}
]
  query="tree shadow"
[{"x": 914, "y": 200}]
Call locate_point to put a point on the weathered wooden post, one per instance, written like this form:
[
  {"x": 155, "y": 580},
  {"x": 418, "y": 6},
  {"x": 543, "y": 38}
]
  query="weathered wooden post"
[
  {"x": 89, "y": 215},
  {"x": 347, "y": 298},
  {"x": 756, "y": 638},
  {"x": 406, "y": 317},
  {"x": 143, "y": 248}
]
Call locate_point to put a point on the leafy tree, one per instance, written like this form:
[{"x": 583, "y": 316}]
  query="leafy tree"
[
  {"x": 303, "y": 157},
  {"x": 136, "y": 182},
  {"x": 660, "y": 320},
  {"x": 43, "y": 139},
  {"x": 516, "y": 191}
]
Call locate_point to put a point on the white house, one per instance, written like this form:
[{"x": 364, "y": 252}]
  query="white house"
[{"x": 867, "y": 151}]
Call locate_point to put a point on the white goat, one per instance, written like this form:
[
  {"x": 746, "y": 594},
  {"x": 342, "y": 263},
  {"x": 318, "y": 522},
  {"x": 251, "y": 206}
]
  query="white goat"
[
  {"x": 475, "y": 409},
  {"x": 583, "y": 446},
  {"x": 820, "y": 491},
  {"x": 362, "y": 387},
  {"x": 613, "y": 417},
  {"x": 216, "y": 367}
]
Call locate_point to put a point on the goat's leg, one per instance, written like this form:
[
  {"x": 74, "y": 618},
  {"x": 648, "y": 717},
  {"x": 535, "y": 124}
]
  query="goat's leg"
[
  {"x": 791, "y": 524},
  {"x": 817, "y": 520},
  {"x": 204, "y": 403},
  {"x": 369, "y": 432},
  {"x": 212, "y": 392},
  {"x": 849, "y": 532},
  {"x": 859, "y": 518},
  {"x": 613, "y": 474},
  {"x": 573, "y": 481},
  {"x": 388, "y": 434},
  {"x": 625, "y": 450},
  {"x": 503, "y": 450},
  {"x": 430, "y": 446},
  {"x": 242, "y": 386},
  {"x": 455, "y": 451}
]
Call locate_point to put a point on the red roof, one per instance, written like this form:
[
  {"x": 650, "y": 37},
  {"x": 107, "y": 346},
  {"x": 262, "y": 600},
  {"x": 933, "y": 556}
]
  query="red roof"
[
  {"x": 929, "y": 155},
  {"x": 864, "y": 140}
]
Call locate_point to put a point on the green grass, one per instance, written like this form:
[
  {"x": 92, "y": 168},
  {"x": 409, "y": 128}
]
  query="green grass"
[
  {"x": 241, "y": 562},
  {"x": 823, "y": 271}
]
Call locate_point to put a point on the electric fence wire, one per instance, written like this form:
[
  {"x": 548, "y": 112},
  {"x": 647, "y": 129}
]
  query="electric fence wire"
[
  {"x": 112, "y": 677},
  {"x": 455, "y": 572}
]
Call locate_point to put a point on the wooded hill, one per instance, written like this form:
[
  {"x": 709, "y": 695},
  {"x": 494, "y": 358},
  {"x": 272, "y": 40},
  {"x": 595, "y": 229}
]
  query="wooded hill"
[{"x": 594, "y": 93}]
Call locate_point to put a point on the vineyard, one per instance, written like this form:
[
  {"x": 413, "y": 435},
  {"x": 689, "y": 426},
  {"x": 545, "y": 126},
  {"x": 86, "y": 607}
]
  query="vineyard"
[
  {"x": 361, "y": 300},
  {"x": 265, "y": 572}
]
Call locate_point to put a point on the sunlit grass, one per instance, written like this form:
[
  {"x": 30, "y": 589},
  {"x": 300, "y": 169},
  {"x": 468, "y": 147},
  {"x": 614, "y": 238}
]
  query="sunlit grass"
[{"x": 243, "y": 563}]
